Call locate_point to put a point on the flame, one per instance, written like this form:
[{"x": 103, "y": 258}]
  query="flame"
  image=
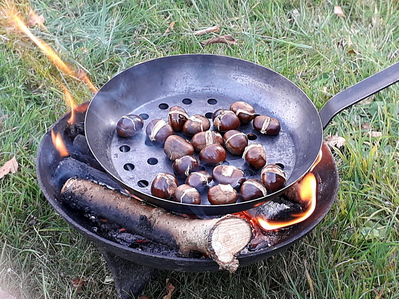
[
  {"x": 59, "y": 144},
  {"x": 318, "y": 159},
  {"x": 71, "y": 103},
  {"x": 308, "y": 189}
]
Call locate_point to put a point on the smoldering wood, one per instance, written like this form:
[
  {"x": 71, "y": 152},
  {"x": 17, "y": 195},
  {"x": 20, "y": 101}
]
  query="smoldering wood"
[{"x": 278, "y": 209}]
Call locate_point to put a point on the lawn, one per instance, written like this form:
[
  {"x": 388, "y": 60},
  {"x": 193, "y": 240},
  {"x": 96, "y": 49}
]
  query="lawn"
[{"x": 353, "y": 253}]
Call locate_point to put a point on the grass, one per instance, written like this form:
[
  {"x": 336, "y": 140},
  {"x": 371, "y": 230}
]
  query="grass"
[{"x": 352, "y": 254}]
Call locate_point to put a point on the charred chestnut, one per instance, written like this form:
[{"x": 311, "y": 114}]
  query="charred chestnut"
[
  {"x": 196, "y": 123},
  {"x": 164, "y": 185},
  {"x": 255, "y": 155},
  {"x": 158, "y": 130},
  {"x": 228, "y": 174},
  {"x": 187, "y": 194},
  {"x": 177, "y": 116},
  {"x": 176, "y": 147},
  {"x": 199, "y": 179},
  {"x": 129, "y": 125},
  {"x": 244, "y": 111},
  {"x": 235, "y": 142},
  {"x": 202, "y": 139},
  {"x": 185, "y": 165},
  {"x": 273, "y": 177},
  {"x": 212, "y": 154},
  {"x": 222, "y": 194},
  {"x": 226, "y": 120},
  {"x": 252, "y": 189},
  {"x": 266, "y": 125}
]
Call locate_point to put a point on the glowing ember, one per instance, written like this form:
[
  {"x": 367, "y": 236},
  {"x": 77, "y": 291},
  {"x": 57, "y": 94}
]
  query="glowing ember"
[
  {"x": 59, "y": 144},
  {"x": 308, "y": 189}
]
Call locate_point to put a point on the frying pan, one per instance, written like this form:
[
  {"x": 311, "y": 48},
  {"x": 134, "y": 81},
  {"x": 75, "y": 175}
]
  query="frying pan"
[{"x": 201, "y": 84}]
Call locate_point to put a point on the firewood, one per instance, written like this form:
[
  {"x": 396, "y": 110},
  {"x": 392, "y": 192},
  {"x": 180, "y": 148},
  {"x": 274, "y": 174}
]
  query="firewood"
[{"x": 219, "y": 238}]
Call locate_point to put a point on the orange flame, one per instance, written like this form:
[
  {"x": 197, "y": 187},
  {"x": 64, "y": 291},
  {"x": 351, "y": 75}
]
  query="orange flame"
[
  {"x": 308, "y": 189},
  {"x": 59, "y": 144},
  {"x": 71, "y": 103}
]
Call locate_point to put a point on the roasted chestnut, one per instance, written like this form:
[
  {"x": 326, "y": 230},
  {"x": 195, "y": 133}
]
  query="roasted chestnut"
[
  {"x": 176, "y": 147},
  {"x": 243, "y": 110},
  {"x": 222, "y": 194},
  {"x": 177, "y": 116},
  {"x": 202, "y": 139},
  {"x": 212, "y": 154},
  {"x": 129, "y": 125},
  {"x": 185, "y": 165},
  {"x": 164, "y": 185},
  {"x": 235, "y": 141},
  {"x": 196, "y": 123},
  {"x": 252, "y": 189},
  {"x": 158, "y": 130},
  {"x": 199, "y": 179},
  {"x": 226, "y": 120},
  {"x": 228, "y": 174},
  {"x": 255, "y": 155},
  {"x": 266, "y": 125},
  {"x": 187, "y": 194},
  {"x": 273, "y": 177}
]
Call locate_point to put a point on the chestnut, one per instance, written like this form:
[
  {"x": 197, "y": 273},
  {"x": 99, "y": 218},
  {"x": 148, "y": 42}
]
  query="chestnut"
[
  {"x": 228, "y": 174},
  {"x": 196, "y": 123},
  {"x": 255, "y": 155},
  {"x": 235, "y": 141},
  {"x": 176, "y": 147},
  {"x": 222, "y": 194},
  {"x": 226, "y": 120},
  {"x": 244, "y": 111},
  {"x": 158, "y": 130},
  {"x": 273, "y": 177},
  {"x": 129, "y": 125},
  {"x": 212, "y": 154},
  {"x": 187, "y": 194},
  {"x": 202, "y": 139},
  {"x": 199, "y": 179},
  {"x": 252, "y": 189},
  {"x": 164, "y": 185},
  {"x": 185, "y": 165},
  {"x": 266, "y": 125},
  {"x": 177, "y": 116}
]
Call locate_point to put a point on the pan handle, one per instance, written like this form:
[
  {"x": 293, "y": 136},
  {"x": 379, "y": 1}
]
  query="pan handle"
[{"x": 358, "y": 92}]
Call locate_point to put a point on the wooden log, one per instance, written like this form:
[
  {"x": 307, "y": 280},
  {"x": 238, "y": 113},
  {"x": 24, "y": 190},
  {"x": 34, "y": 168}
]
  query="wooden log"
[{"x": 219, "y": 238}]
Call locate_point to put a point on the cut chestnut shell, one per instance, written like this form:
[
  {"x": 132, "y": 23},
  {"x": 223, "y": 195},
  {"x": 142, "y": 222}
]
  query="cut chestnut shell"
[
  {"x": 226, "y": 120},
  {"x": 255, "y": 155},
  {"x": 252, "y": 189},
  {"x": 228, "y": 174},
  {"x": 222, "y": 194},
  {"x": 212, "y": 154},
  {"x": 158, "y": 130},
  {"x": 177, "y": 116},
  {"x": 266, "y": 125},
  {"x": 244, "y": 111},
  {"x": 182, "y": 167},
  {"x": 129, "y": 125},
  {"x": 164, "y": 185},
  {"x": 202, "y": 139},
  {"x": 199, "y": 179},
  {"x": 187, "y": 194},
  {"x": 273, "y": 177},
  {"x": 235, "y": 141},
  {"x": 176, "y": 147},
  {"x": 196, "y": 123}
]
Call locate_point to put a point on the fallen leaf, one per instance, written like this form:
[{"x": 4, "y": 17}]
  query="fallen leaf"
[
  {"x": 78, "y": 284},
  {"x": 35, "y": 19},
  {"x": 170, "y": 28},
  {"x": 11, "y": 166},
  {"x": 169, "y": 289},
  {"x": 336, "y": 141},
  {"x": 224, "y": 39},
  {"x": 375, "y": 134},
  {"x": 338, "y": 11},
  {"x": 207, "y": 30}
]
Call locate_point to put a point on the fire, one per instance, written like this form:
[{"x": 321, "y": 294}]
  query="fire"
[
  {"x": 69, "y": 100},
  {"x": 308, "y": 189},
  {"x": 59, "y": 144}
]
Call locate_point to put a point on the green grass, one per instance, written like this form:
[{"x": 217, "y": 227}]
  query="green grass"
[{"x": 353, "y": 253}]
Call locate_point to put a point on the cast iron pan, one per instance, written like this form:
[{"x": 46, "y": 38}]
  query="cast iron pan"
[{"x": 201, "y": 84}]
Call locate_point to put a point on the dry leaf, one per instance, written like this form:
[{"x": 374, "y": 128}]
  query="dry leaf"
[
  {"x": 338, "y": 11},
  {"x": 35, "y": 19},
  {"x": 10, "y": 166},
  {"x": 78, "y": 284},
  {"x": 224, "y": 39},
  {"x": 170, "y": 28},
  {"x": 375, "y": 134},
  {"x": 335, "y": 141},
  {"x": 207, "y": 30},
  {"x": 169, "y": 289}
]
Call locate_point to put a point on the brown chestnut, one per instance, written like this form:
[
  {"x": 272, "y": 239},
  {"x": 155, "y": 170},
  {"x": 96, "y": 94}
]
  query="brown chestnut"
[
  {"x": 199, "y": 179},
  {"x": 212, "y": 154},
  {"x": 266, "y": 125},
  {"x": 177, "y": 116},
  {"x": 185, "y": 165},
  {"x": 202, "y": 139},
  {"x": 255, "y": 155},
  {"x": 164, "y": 185},
  {"x": 222, "y": 194},
  {"x": 129, "y": 125},
  {"x": 243, "y": 110},
  {"x": 158, "y": 130},
  {"x": 235, "y": 141},
  {"x": 176, "y": 147},
  {"x": 228, "y": 174},
  {"x": 196, "y": 123},
  {"x": 252, "y": 189},
  {"x": 187, "y": 194},
  {"x": 226, "y": 120},
  {"x": 273, "y": 177}
]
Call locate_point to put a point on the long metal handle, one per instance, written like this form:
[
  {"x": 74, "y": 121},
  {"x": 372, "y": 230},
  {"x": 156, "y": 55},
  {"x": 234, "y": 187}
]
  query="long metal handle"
[{"x": 358, "y": 92}]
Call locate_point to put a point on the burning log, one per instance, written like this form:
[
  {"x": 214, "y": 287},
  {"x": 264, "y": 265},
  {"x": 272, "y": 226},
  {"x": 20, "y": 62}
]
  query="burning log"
[{"x": 219, "y": 238}]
